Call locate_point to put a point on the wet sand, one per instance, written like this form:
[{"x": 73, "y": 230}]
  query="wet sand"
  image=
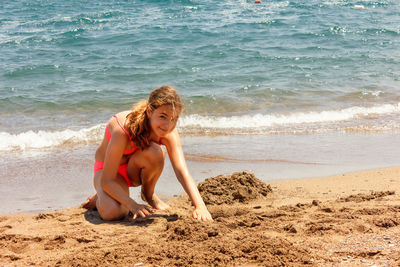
[
  {"x": 41, "y": 180},
  {"x": 351, "y": 219}
]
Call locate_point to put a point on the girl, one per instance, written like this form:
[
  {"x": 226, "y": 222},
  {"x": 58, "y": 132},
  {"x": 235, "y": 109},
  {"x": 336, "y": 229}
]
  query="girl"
[{"x": 130, "y": 155}]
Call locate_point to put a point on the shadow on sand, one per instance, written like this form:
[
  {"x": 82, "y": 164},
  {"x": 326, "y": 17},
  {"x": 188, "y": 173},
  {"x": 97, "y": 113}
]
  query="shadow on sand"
[{"x": 93, "y": 217}]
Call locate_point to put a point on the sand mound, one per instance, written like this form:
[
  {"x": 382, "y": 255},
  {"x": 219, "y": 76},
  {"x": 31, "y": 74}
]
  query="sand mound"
[{"x": 238, "y": 187}]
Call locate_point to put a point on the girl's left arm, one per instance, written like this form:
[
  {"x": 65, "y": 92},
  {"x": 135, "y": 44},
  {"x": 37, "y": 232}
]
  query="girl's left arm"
[{"x": 175, "y": 153}]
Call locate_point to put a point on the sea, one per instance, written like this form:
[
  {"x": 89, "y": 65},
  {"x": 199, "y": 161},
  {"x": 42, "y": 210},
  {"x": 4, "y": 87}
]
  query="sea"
[{"x": 283, "y": 89}]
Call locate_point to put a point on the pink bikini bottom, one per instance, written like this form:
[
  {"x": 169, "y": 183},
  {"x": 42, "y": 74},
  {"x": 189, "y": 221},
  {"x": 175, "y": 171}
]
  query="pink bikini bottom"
[{"x": 122, "y": 170}]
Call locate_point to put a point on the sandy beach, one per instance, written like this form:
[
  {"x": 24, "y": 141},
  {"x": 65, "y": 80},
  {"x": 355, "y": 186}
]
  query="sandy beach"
[
  {"x": 290, "y": 125},
  {"x": 351, "y": 219}
]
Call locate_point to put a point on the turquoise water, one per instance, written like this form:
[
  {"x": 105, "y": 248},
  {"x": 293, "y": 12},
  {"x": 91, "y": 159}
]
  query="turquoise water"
[
  {"x": 72, "y": 64},
  {"x": 285, "y": 70}
]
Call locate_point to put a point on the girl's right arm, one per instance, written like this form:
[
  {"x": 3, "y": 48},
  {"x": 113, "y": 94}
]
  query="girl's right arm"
[
  {"x": 114, "y": 152},
  {"x": 174, "y": 148}
]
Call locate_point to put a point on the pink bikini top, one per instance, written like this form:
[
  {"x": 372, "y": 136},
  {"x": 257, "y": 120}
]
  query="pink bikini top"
[{"x": 108, "y": 136}]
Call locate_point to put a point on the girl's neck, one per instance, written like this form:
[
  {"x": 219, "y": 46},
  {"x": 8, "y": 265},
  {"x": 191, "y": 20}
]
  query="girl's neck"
[{"x": 153, "y": 137}]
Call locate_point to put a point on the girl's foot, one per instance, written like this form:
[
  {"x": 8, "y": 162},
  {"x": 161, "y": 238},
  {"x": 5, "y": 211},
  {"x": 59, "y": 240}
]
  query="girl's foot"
[
  {"x": 155, "y": 202},
  {"x": 90, "y": 202}
]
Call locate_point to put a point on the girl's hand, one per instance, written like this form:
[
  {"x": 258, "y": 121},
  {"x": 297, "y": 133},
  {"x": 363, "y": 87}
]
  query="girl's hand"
[
  {"x": 202, "y": 214},
  {"x": 141, "y": 210}
]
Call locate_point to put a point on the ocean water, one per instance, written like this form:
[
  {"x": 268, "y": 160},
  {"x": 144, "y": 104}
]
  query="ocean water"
[{"x": 280, "y": 69}]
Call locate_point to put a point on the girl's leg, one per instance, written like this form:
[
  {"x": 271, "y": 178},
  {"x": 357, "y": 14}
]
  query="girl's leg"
[
  {"x": 144, "y": 168},
  {"x": 90, "y": 202},
  {"x": 108, "y": 208}
]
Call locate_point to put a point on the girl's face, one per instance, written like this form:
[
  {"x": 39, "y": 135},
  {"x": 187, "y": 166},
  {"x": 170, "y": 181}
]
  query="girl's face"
[{"x": 162, "y": 120}]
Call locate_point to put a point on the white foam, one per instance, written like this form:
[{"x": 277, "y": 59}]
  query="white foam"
[
  {"x": 46, "y": 139},
  {"x": 373, "y": 93},
  {"x": 359, "y": 7},
  {"x": 268, "y": 120}
]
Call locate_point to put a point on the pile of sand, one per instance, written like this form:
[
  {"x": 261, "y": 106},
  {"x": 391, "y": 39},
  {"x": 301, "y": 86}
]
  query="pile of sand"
[{"x": 239, "y": 187}]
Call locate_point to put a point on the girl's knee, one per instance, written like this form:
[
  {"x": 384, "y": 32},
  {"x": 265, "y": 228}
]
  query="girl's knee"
[
  {"x": 110, "y": 215},
  {"x": 111, "y": 212},
  {"x": 155, "y": 155},
  {"x": 108, "y": 208}
]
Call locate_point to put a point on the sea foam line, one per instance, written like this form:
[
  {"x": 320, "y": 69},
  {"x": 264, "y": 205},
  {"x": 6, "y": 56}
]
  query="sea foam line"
[
  {"x": 268, "y": 120},
  {"x": 47, "y": 139}
]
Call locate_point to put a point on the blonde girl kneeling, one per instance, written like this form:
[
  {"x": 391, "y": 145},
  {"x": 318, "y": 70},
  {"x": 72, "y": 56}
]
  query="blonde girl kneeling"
[{"x": 130, "y": 154}]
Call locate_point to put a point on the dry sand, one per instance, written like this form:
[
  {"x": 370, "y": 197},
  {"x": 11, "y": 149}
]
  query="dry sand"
[{"x": 344, "y": 220}]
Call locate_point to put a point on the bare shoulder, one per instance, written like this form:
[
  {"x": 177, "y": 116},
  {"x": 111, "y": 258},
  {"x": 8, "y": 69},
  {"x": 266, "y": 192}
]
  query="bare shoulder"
[
  {"x": 117, "y": 120},
  {"x": 170, "y": 140},
  {"x": 115, "y": 127},
  {"x": 121, "y": 116}
]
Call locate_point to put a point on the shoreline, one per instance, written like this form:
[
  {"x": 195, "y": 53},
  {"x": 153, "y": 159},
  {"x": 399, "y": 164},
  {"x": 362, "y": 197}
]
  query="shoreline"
[
  {"x": 310, "y": 222},
  {"x": 306, "y": 189},
  {"x": 52, "y": 179}
]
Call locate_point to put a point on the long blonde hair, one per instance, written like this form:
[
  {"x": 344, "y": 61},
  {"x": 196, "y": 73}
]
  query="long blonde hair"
[{"x": 137, "y": 121}]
